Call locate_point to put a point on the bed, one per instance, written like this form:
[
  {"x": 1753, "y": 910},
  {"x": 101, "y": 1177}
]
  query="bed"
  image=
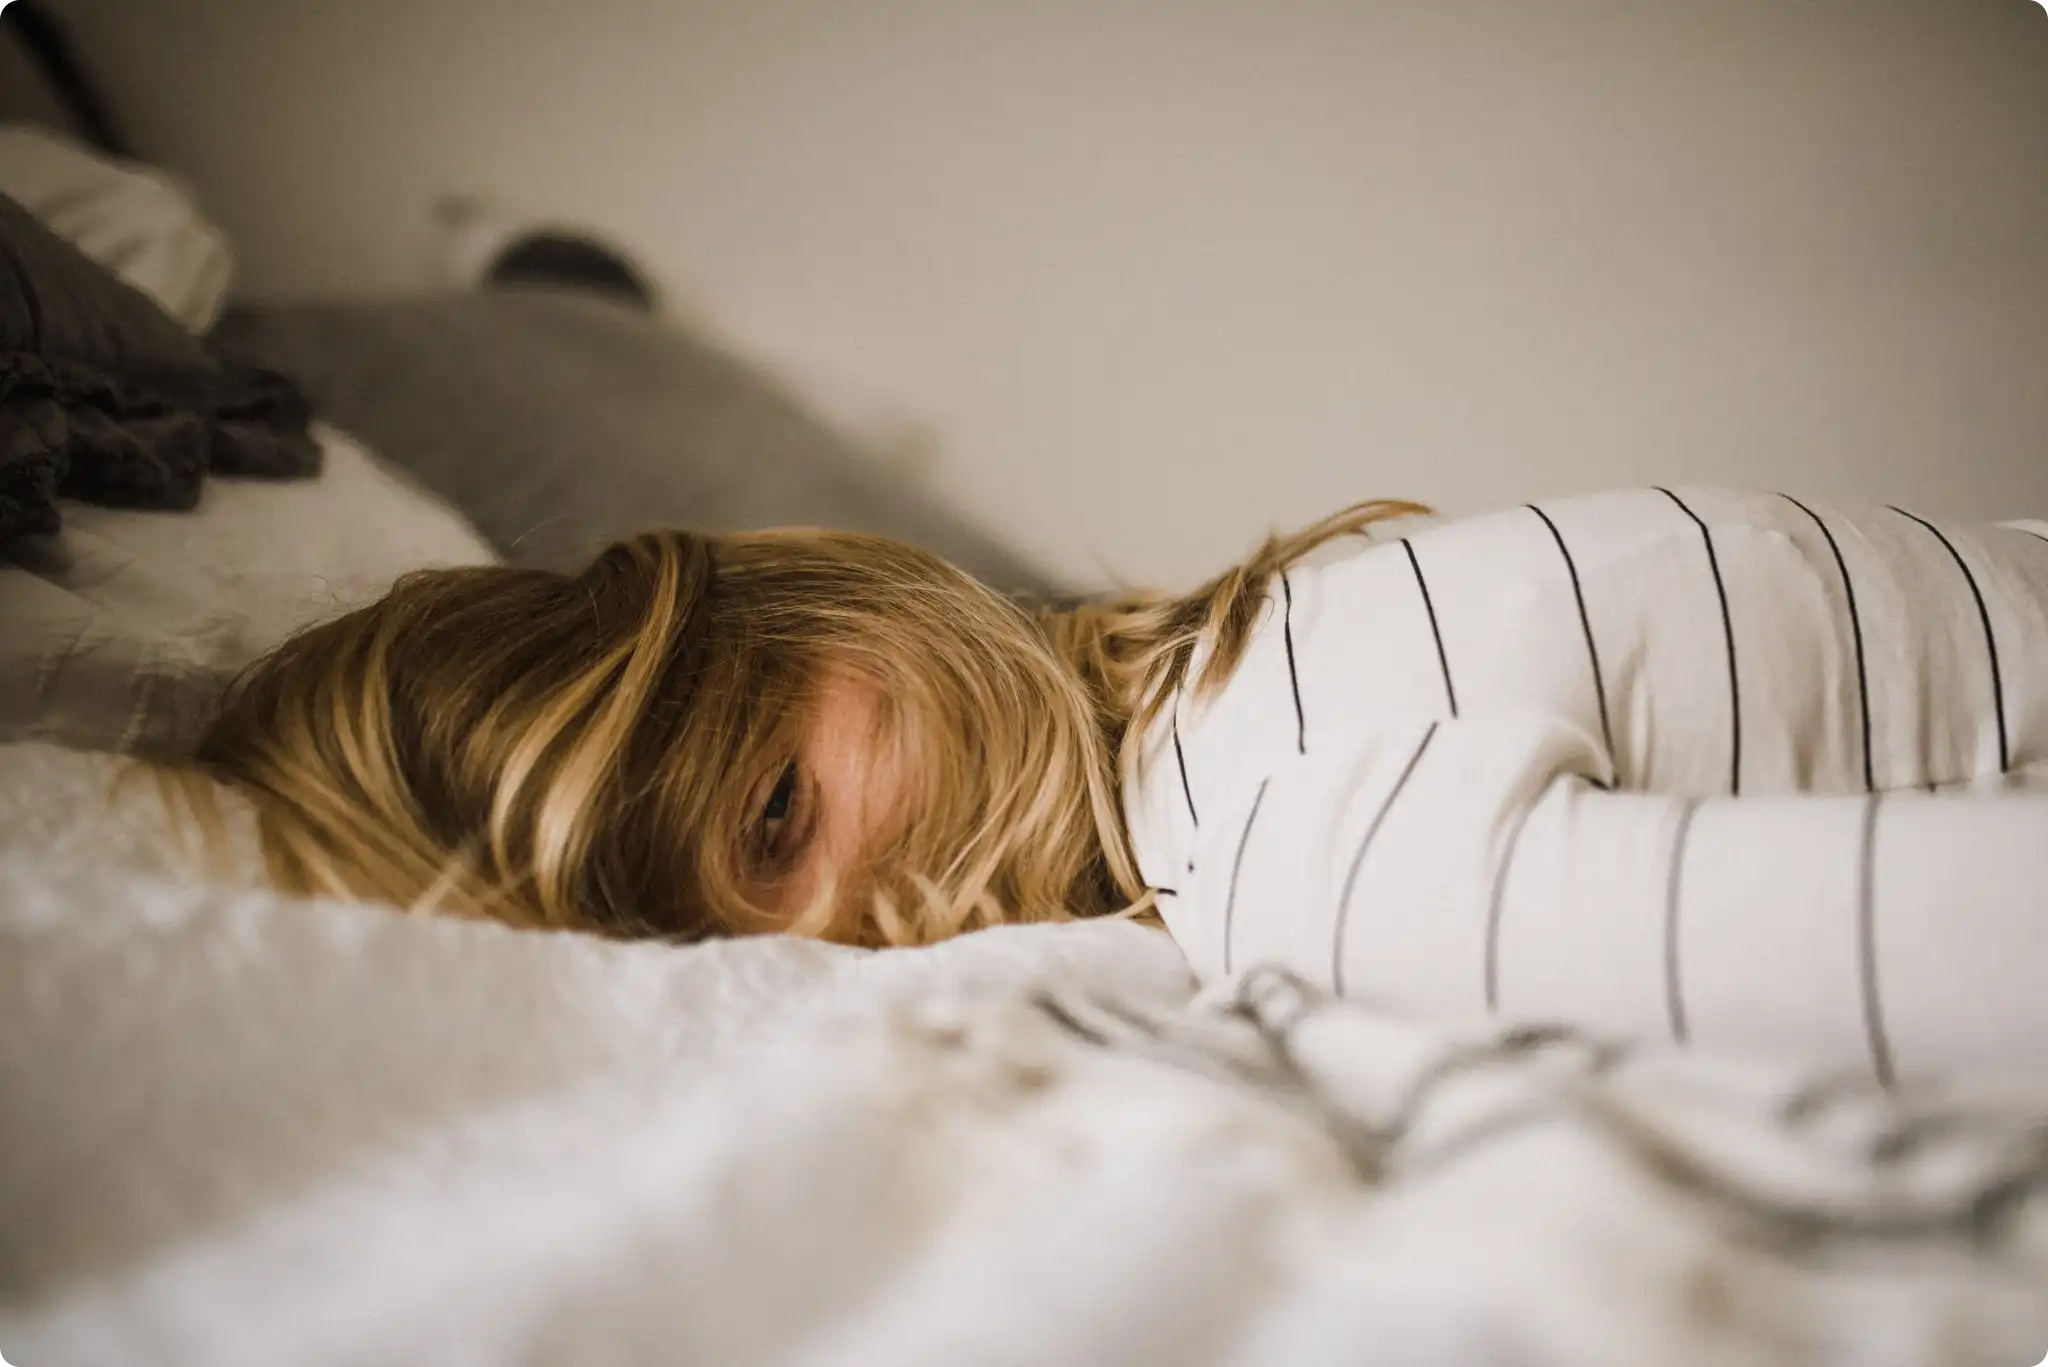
[{"x": 245, "y": 1128}]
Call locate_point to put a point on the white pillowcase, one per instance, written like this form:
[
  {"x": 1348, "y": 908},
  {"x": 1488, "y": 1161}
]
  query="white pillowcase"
[
  {"x": 120, "y": 633},
  {"x": 137, "y": 221}
]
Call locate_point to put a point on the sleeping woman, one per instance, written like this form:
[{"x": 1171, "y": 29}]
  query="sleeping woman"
[{"x": 1722, "y": 767}]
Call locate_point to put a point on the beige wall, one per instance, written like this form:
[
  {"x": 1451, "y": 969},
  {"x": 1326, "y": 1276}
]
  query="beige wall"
[{"x": 1151, "y": 275}]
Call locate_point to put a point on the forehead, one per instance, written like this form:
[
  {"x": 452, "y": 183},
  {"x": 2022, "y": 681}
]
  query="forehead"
[
  {"x": 844, "y": 700},
  {"x": 853, "y": 723},
  {"x": 864, "y": 776}
]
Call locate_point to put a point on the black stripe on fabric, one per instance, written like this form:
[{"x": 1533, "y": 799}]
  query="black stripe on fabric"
[
  {"x": 1866, "y": 946},
  {"x": 1585, "y": 625},
  {"x": 1493, "y": 910},
  {"x": 1237, "y": 868},
  {"x": 1855, "y": 633},
  {"x": 1180, "y": 759},
  {"x": 1990, "y": 639},
  {"x": 1727, "y": 635},
  {"x": 1293, "y": 675},
  {"x": 1674, "y": 890},
  {"x": 1165, "y": 892},
  {"x": 1358, "y": 860},
  {"x": 2029, "y": 531},
  {"x": 1443, "y": 660}
]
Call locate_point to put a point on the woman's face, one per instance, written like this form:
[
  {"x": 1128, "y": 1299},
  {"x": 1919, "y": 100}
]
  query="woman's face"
[{"x": 841, "y": 800}]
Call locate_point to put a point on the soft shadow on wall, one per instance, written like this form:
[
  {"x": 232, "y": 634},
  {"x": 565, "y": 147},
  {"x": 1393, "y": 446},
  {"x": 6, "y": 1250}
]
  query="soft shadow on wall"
[{"x": 1151, "y": 276}]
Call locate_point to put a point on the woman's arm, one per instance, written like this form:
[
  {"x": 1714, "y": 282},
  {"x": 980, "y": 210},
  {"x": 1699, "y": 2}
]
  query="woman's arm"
[{"x": 1478, "y": 865}]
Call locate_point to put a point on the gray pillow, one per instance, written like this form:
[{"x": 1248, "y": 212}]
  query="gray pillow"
[{"x": 559, "y": 422}]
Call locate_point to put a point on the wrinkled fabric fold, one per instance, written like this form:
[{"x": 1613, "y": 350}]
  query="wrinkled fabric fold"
[{"x": 106, "y": 399}]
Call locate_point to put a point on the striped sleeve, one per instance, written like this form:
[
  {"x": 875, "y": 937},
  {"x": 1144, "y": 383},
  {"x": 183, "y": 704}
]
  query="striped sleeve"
[
  {"x": 1894, "y": 934},
  {"x": 1655, "y": 761},
  {"x": 1364, "y": 862},
  {"x": 1456, "y": 867}
]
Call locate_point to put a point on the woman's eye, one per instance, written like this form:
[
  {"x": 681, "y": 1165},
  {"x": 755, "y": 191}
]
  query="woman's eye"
[
  {"x": 781, "y": 798},
  {"x": 784, "y": 825}
]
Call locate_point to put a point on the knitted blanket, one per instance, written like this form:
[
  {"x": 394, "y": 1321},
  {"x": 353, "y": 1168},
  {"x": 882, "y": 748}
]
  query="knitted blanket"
[{"x": 105, "y": 398}]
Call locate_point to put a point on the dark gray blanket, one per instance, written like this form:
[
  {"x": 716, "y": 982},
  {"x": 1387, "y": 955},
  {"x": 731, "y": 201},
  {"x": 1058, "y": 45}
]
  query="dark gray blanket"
[{"x": 105, "y": 398}]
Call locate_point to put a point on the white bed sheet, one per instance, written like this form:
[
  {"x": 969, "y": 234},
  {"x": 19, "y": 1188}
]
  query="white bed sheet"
[{"x": 240, "y": 1128}]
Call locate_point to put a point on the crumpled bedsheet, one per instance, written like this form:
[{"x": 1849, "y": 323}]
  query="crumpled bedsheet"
[{"x": 240, "y": 1128}]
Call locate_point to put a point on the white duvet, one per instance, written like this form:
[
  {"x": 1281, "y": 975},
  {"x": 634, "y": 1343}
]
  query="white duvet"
[{"x": 237, "y": 1128}]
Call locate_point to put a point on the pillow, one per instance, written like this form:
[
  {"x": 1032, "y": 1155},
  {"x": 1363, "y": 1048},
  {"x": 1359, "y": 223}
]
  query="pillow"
[
  {"x": 122, "y": 633},
  {"x": 104, "y": 397},
  {"x": 135, "y": 220},
  {"x": 560, "y": 422}
]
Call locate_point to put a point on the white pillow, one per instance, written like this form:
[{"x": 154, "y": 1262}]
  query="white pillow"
[
  {"x": 139, "y": 222},
  {"x": 121, "y": 632}
]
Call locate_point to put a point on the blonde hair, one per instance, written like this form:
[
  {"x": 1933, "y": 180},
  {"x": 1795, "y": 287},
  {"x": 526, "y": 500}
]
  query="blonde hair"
[{"x": 584, "y": 751}]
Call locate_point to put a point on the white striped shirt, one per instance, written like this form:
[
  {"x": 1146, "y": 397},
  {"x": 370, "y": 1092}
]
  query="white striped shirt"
[{"x": 1656, "y": 761}]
